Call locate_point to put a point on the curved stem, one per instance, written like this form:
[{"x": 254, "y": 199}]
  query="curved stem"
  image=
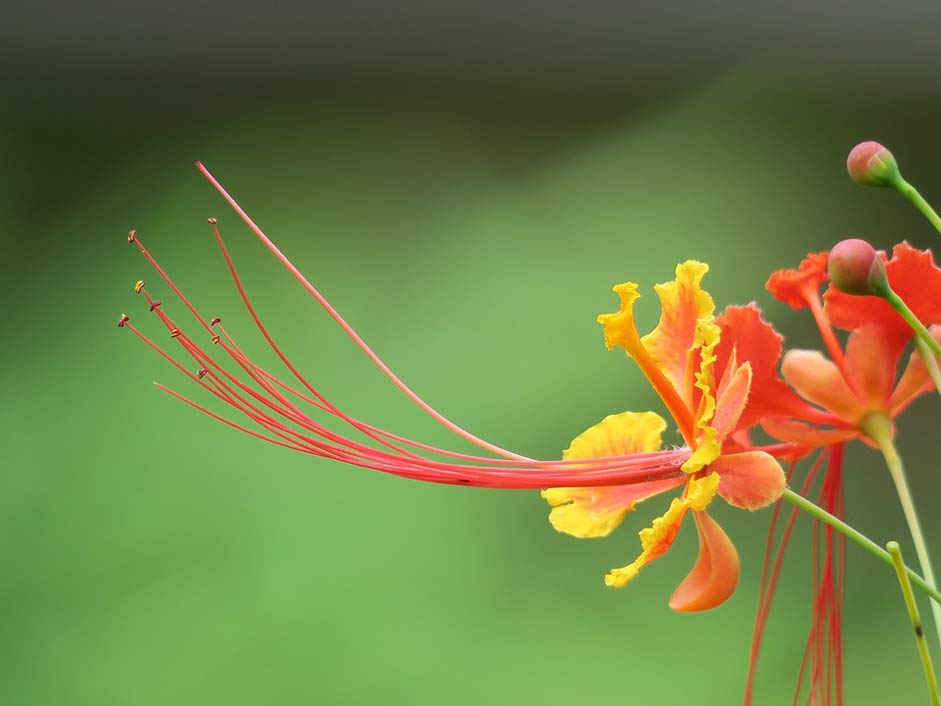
[
  {"x": 931, "y": 362},
  {"x": 923, "y": 334},
  {"x": 911, "y": 193},
  {"x": 896, "y": 553},
  {"x": 879, "y": 429},
  {"x": 859, "y": 538}
]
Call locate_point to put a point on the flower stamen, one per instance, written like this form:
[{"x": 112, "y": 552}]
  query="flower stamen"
[{"x": 286, "y": 425}]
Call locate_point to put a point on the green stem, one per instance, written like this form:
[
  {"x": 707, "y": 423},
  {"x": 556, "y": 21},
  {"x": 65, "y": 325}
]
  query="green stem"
[
  {"x": 857, "y": 537},
  {"x": 896, "y": 553},
  {"x": 911, "y": 193},
  {"x": 931, "y": 362},
  {"x": 923, "y": 334},
  {"x": 879, "y": 429}
]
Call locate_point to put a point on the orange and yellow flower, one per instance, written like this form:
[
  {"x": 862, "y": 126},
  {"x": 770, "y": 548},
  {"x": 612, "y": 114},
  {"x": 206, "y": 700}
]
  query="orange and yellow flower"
[{"x": 708, "y": 404}]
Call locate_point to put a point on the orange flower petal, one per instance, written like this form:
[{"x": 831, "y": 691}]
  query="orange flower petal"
[
  {"x": 749, "y": 480},
  {"x": 714, "y": 576},
  {"x": 683, "y": 303},
  {"x": 870, "y": 364},
  {"x": 915, "y": 380},
  {"x": 818, "y": 380},
  {"x": 913, "y": 276},
  {"x": 754, "y": 340},
  {"x": 731, "y": 401},
  {"x": 801, "y": 433},
  {"x": 792, "y": 286}
]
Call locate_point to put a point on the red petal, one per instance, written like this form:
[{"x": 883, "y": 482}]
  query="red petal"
[
  {"x": 800, "y": 433},
  {"x": 792, "y": 286},
  {"x": 914, "y": 277},
  {"x": 714, "y": 576},
  {"x": 755, "y": 341},
  {"x": 731, "y": 401},
  {"x": 870, "y": 364},
  {"x": 915, "y": 380},
  {"x": 749, "y": 480}
]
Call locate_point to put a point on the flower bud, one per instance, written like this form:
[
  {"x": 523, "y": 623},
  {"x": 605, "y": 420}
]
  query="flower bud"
[
  {"x": 871, "y": 164},
  {"x": 856, "y": 268}
]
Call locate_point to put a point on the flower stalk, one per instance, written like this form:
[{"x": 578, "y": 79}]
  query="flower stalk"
[
  {"x": 857, "y": 537},
  {"x": 908, "y": 595},
  {"x": 931, "y": 362},
  {"x": 879, "y": 429},
  {"x": 918, "y": 201},
  {"x": 921, "y": 331}
]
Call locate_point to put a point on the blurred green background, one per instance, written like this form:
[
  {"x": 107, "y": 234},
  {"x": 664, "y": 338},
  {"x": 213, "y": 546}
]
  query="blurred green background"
[{"x": 465, "y": 182}]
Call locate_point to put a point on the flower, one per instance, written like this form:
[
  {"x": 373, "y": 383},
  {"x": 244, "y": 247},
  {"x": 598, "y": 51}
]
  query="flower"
[
  {"x": 679, "y": 360},
  {"x": 861, "y": 381},
  {"x": 605, "y": 471}
]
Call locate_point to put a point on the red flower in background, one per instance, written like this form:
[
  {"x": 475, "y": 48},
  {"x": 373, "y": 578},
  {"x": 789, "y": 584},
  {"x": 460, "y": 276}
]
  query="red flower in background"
[
  {"x": 862, "y": 380},
  {"x": 836, "y": 396}
]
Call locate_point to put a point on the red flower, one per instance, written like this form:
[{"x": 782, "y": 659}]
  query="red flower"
[{"x": 862, "y": 380}]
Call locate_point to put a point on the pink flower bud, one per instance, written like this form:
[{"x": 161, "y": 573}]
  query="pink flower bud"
[
  {"x": 856, "y": 268},
  {"x": 871, "y": 164}
]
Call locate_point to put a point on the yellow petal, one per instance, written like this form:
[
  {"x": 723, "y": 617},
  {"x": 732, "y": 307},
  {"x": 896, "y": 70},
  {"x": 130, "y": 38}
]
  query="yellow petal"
[
  {"x": 619, "y": 328},
  {"x": 684, "y": 302},
  {"x": 701, "y": 491},
  {"x": 708, "y": 444},
  {"x": 596, "y": 511},
  {"x": 654, "y": 540},
  {"x": 618, "y": 434}
]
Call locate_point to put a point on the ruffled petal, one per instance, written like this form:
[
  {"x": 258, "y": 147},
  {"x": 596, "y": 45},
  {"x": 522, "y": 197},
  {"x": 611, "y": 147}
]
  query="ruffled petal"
[
  {"x": 915, "y": 381},
  {"x": 708, "y": 444},
  {"x": 655, "y": 540},
  {"x": 749, "y": 480},
  {"x": 659, "y": 537},
  {"x": 820, "y": 381},
  {"x": 793, "y": 286},
  {"x": 684, "y": 302},
  {"x": 752, "y": 339},
  {"x": 913, "y": 276},
  {"x": 596, "y": 511},
  {"x": 714, "y": 576},
  {"x": 870, "y": 364},
  {"x": 805, "y": 434}
]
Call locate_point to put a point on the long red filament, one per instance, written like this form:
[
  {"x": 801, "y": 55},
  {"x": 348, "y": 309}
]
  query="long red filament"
[
  {"x": 769, "y": 582},
  {"x": 823, "y": 653},
  {"x": 335, "y": 315},
  {"x": 288, "y": 426}
]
